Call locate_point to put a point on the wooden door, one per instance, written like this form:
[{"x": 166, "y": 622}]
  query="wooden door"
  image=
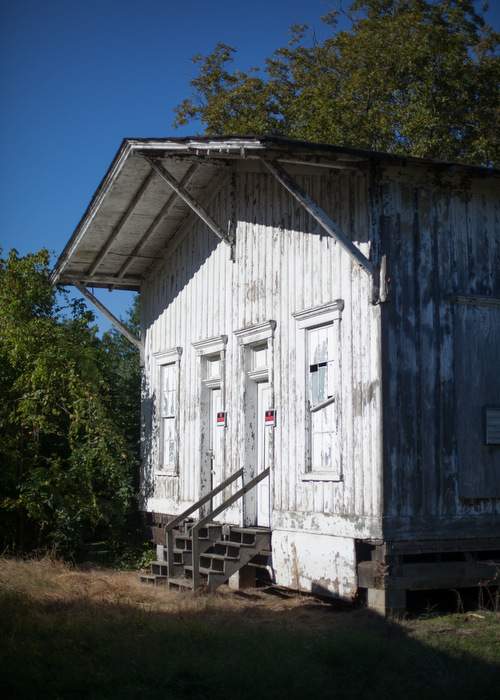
[
  {"x": 477, "y": 389},
  {"x": 263, "y": 436},
  {"x": 216, "y": 443}
]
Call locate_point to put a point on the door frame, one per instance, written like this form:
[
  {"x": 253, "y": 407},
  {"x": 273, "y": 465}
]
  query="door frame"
[
  {"x": 213, "y": 434},
  {"x": 248, "y": 339},
  {"x": 207, "y": 349},
  {"x": 263, "y": 452}
]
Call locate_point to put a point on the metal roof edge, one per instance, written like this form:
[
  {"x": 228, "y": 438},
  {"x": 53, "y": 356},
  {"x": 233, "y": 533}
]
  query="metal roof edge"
[{"x": 282, "y": 142}]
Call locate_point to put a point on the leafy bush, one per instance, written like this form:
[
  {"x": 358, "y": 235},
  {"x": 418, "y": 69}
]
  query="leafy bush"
[{"x": 67, "y": 452}]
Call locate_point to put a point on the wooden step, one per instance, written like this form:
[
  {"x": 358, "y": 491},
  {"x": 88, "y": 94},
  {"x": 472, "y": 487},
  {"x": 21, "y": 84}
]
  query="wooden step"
[
  {"x": 216, "y": 562},
  {"x": 208, "y": 534},
  {"x": 202, "y": 570},
  {"x": 153, "y": 579},
  {"x": 223, "y": 550},
  {"x": 248, "y": 535},
  {"x": 159, "y": 568},
  {"x": 233, "y": 545},
  {"x": 221, "y": 557},
  {"x": 207, "y": 562},
  {"x": 180, "y": 583},
  {"x": 182, "y": 556},
  {"x": 230, "y": 548}
]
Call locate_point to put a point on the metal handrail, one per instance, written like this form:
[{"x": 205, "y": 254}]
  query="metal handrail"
[
  {"x": 186, "y": 513},
  {"x": 210, "y": 516}
]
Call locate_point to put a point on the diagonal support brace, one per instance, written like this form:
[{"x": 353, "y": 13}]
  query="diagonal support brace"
[
  {"x": 111, "y": 318},
  {"x": 188, "y": 199},
  {"x": 326, "y": 223}
]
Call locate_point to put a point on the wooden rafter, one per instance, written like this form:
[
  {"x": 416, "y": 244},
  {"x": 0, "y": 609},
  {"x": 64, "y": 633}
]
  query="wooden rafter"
[
  {"x": 100, "y": 280},
  {"x": 188, "y": 176},
  {"x": 326, "y": 223},
  {"x": 121, "y": 223},
  {"x": 192, "y": 203},
  {"x": 111, "y": 317}
]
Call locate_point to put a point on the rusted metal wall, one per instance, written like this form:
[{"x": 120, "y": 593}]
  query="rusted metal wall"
[
  {"x": 282, "y": 264},
  {"x": 441, "y": 235}
]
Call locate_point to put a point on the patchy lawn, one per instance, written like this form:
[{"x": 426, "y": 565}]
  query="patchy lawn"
[{"x": 67, "y": 633}]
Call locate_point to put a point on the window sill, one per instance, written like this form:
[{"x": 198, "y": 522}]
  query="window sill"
[
  {"x": 320, "y": 476},
  {"x": 162, "y": 472}
]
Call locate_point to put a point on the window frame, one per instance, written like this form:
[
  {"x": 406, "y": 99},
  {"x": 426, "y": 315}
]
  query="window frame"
[
  {"x": 306, "y": 320},
  {"x": 162, "y": 359}
]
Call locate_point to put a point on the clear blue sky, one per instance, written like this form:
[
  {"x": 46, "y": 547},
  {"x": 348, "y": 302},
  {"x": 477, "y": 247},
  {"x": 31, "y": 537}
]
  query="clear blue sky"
[{"x": 76, "y": 76}]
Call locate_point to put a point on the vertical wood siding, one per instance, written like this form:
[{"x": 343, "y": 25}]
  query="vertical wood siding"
[
  {"x": 440, "y": 239},
  {"x": 283, "y": 264}
]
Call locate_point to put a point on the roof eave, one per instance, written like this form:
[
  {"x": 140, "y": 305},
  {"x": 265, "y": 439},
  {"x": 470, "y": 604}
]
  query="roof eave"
[{"x": 210, "y": 147}]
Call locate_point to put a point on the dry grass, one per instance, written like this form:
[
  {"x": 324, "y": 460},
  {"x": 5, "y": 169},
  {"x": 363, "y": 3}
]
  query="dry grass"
[
  {"x": 51, "y": 581},
  {"x": 68, "y": 632}
]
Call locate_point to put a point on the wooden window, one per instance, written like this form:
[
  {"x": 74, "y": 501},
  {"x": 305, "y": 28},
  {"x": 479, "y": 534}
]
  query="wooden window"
[
  {"x": 321, "y": 350},
  {"x": 476, "y": 330},
  {"x": 168, "y": 411},
  {"x": 321, "y": 359},
  {"x": 259, "y": 356},
  {"x": 212, "y": 367},
  {"x": 167, "y": 379},
  {"x": 318, "y": 364}
]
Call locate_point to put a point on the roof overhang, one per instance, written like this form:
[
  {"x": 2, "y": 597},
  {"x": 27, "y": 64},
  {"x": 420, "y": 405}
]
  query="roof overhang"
[{"x": 136, "y": 211}]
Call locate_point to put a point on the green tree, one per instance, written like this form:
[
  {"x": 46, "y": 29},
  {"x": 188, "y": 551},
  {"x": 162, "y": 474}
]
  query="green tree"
[
  {"x": 65, "y": 462},
  {"x": 121, "y": 366},
  {"x": 416, "y": 77}
]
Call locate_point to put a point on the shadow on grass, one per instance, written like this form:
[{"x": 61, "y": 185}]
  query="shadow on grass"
[{"x": 101, "y": 650}]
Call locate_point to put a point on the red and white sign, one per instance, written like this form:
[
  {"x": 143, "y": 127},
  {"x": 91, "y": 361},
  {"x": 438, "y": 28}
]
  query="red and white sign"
[
  {"x": 221, "y": 419},
  {"x": 270, "y": 417}
]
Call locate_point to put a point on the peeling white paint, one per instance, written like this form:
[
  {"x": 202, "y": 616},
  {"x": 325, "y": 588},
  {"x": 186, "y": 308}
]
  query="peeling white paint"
[{"x": 314, "y": 563}]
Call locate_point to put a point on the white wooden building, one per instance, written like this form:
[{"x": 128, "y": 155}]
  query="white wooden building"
[{"x": 331, "y": 315}]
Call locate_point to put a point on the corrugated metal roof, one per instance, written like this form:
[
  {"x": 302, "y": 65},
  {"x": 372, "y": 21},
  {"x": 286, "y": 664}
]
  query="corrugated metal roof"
[{"x": 134, "y": 213}]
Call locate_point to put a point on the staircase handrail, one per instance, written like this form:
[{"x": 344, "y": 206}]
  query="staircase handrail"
[
  {"x": 210, "y": 516},
  {"x": 204, "y": 499},
  {"x": 186, "y": 513}
]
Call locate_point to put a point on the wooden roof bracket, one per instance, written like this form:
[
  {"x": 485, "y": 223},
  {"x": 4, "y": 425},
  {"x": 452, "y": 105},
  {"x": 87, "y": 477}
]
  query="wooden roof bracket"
[
  {"x": 120, "y": 327},
  {"x": 326, "y": 223},
  {"x": 192, "y": 203}
]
